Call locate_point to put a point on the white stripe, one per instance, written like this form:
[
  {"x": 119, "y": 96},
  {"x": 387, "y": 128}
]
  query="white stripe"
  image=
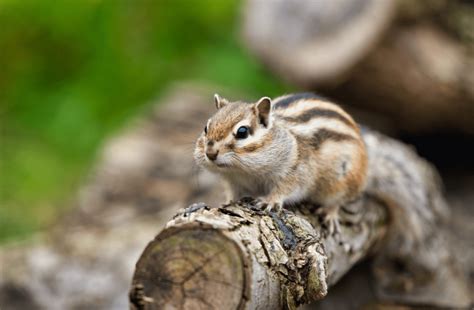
[{"x": 309, "y": 128}]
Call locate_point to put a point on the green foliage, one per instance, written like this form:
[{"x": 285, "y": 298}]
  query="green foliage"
[{"x": 71, "y": 72}]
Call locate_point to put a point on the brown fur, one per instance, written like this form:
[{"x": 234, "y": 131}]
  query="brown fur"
[
  {"x": 308, "y": 149},
  {"x": 320, "y": 112},
  {"x": 254, "y": 146},
  {"x": 222, "y": 123}
]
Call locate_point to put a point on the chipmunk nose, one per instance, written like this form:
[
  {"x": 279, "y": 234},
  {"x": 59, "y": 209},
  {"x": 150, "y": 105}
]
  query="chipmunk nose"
[{"x": 212, "y": 155}]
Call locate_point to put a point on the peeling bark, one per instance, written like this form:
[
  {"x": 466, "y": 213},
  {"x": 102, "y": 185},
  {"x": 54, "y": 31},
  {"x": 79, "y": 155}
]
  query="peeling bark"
[{"x": 238, "y": 257}]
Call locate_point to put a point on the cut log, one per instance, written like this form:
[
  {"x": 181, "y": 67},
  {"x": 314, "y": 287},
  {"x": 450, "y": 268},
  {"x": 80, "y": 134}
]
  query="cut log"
[
  {"x": 237, "y": 257},
  {"x": 314, "y": 42},
  {"x": 412, "y": 60}
]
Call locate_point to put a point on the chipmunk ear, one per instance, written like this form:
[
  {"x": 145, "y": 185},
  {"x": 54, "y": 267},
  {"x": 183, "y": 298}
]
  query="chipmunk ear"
[
  {"x": 219, "y": 101},
  {"x": 264, "y": 106}
]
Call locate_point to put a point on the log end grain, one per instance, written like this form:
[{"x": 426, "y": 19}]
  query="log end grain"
[{"x": 189, "y": 269}]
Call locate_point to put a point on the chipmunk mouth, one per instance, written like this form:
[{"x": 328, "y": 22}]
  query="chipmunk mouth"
[{"x": 220, "y": 162}]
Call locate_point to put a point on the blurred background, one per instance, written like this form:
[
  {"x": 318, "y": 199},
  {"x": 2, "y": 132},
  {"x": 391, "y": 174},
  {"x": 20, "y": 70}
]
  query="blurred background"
[
  {"x": 101, "y": 100},
  {"x": 73, "y": 72}
]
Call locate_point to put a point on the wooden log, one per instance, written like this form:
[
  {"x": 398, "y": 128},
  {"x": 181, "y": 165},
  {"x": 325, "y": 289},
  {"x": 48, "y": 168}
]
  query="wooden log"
[
  {"x": 411, "y": 60},
  {"x": 238, "y": 257},
  {"x": 314, "y": 42}
]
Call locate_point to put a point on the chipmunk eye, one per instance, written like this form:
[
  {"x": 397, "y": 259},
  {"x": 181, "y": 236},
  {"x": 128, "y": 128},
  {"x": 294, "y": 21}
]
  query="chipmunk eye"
[
  {"x": 205, "y": 129},
  {"x": 242, "y": 132}
]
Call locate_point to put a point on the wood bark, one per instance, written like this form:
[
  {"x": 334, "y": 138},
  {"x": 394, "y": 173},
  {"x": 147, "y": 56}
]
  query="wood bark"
[
  {"x": 238, "y": 257},
  {"x": 411, "y": 60}
]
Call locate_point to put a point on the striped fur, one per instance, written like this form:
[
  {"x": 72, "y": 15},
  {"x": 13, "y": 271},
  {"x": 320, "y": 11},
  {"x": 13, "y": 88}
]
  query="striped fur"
[
  {"x": 286, "y": 101},
  {"x": 310, "y": 114},
  {"x": 307, "y": 149}
]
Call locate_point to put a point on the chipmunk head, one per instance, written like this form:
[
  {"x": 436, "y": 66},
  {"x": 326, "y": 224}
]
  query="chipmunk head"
[{"x": 236, "y": 131}]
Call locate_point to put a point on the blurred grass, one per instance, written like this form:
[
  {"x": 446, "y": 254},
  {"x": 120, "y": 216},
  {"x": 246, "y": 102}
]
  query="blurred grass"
[{"x": 72, "y": 72}]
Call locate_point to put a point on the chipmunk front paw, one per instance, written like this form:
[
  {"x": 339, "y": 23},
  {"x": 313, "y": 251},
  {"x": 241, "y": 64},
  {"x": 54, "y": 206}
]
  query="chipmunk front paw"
[
  {"x": 268, "y": 206},
  {"x": 273, "y": 207},
  {"x": 260, "y": 204},
  {"x": 330, "y": 218}
]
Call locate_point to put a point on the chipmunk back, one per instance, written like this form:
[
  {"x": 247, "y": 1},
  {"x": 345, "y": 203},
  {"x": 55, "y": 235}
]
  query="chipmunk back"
[{"x": 295, "y": 148}]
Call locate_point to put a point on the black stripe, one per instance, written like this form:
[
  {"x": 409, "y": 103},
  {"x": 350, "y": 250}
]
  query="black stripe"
[
  {"x": 287, "y": 101},
  {"x": 323, "y": 135},
  {"x": 318, "y": 112}
]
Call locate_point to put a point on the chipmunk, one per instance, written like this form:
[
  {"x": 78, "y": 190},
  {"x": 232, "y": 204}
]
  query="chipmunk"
[{"x": 294, "y": 148}]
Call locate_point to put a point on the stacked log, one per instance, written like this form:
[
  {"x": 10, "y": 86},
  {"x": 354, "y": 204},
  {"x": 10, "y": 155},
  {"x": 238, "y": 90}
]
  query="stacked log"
[{"x": 410, "y": 60}]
